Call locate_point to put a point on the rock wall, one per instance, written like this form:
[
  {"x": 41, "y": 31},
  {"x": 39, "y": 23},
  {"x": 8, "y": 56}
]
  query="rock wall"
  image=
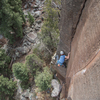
[
  {"x": 70, "y": 15},
  {"x": 84, "y": 64}
]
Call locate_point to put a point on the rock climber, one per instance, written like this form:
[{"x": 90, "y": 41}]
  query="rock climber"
[{"x": 62, "y": 58}]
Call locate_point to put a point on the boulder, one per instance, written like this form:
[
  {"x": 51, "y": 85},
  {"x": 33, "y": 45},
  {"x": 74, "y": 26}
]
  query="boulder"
[
  {"x": 26, "y": 93},
  {"x": 19, "y": 90},
  {"x": 53, "y": 59},
  {"x": 31, "y": 37},
  {"x": 38, "y": 2},
  {"x": 5, "y": 47},
  {"x": 27, "y": 30},
  {"x": 30, "y": 4},
  {"x": 17, "y": 54},
  {"x": 26, "y": 43},
  {"x": 25, "y": 6},
  {"x": 57, "y": 88},
  {"x": 32, "y": 26},
  {"x": 22, "y": 98},
  {"x": 23, "y": 50},
  {"x": 37, "y": 14},
  {"x": 32, "y": 12},
  {"x": 31, "y": 96},
  {"x": 38, "y": 21},
  {"x": 40, "y": 8},
  {"x": 35, "y": 6},
  {"x": 37, "y": 27}
]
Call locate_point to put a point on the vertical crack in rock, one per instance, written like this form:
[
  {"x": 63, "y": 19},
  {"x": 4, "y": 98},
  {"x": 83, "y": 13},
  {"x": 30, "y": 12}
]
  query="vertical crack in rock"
[{"x": 74, "y": 28}]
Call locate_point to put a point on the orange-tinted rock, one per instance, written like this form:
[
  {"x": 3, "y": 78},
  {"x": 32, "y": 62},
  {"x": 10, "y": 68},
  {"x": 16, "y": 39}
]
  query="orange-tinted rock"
[
  {"x": 84, "y": 63},
  {"x": 86, "y": 42}
]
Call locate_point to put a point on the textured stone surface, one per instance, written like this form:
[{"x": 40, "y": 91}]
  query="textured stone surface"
[
  {"x": 57, "y": 88},
  {"x": 84, "y": 63},
  {"x": 31, "y": 37},
  {"x": 70, "y": 13},
  {"x": 86, "y": 42},
  {"x": 85, "y": 85}
]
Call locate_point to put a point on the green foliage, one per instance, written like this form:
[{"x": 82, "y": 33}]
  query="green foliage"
[
  {"x": 4, "y": 63},
  {"x": 50, "y": 31},
  {"x": 25, "y": 85},
  {"x": 11, "y": 19},
  {"x": 27, "y": 70},
  {"x": 7, "y": 88},
  {"x": 43, "y": 80},
  {"x": 33, "y": 63},
  {"x": 31, "y": 19},
  {"x": 41, "y": 51},
  {"x": 20, "y": 71}
]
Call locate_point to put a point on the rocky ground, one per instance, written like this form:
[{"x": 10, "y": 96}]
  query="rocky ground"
[{"x": 30, "y": 38}]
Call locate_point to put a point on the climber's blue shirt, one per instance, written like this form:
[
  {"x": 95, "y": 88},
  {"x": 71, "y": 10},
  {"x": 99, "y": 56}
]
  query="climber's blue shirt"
[{"x": 62, "y": 59}]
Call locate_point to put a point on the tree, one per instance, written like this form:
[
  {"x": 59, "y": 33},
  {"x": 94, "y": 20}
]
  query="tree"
[
  {"x": 31, "y": 19},
  {"x": 11, "y": 19},
  {"x": 7, "y": 88},
  {"x": 50, "y": 31},
  {"x": 43, "y": 80},
  {"x": 20, "y": 71},
  {"x": 4, "y": 63},
  {"x": 34, "y": 63}
]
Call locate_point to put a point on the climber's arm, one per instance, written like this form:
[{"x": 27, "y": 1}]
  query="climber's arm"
[{"x": 67, "y": 57}]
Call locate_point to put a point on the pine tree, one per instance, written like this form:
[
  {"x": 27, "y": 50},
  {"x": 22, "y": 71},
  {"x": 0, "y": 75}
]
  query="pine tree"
[
  {"x": 34, "y": 63},
  {"x": 20, "y": 71},
  {"x": 7, "y": 88},
  {"x": 4, "y": 63},
  {"x": 43, "y": 80},
  {"x": 11, "y": 19},
  {"x": 50, "y": 31},
  {"x": 31, "y": 19}
]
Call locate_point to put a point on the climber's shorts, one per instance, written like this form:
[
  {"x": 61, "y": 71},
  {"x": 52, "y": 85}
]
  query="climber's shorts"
[{"x": 59, "y": 62}]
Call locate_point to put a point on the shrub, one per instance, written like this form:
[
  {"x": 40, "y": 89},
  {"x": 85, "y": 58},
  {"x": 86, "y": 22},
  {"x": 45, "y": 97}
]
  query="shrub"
[
  {"x": 4, "y": 63},
  {"x": 50, "y": 31},
  {"x": 42, "y": 52},
  {"x": 11, "y": 19},
  {"x": 31, "y": 19},
  {"x": 34, "y": 63},
  {"x": 20, "y": 71},
  {"x": 43, "y": 80},
  {"x": 7, "y": 88}
]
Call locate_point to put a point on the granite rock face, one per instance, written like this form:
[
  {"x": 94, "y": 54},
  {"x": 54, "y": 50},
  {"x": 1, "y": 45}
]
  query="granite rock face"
[
  {"x": 70, "y": 14},
  {"x": 57, "y": 88},
  {"x": 83, "y": 70}
]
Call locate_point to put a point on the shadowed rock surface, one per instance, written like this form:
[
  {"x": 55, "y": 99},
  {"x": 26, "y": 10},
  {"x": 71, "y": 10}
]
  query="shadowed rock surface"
[{"x": 70, "y": 15}]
